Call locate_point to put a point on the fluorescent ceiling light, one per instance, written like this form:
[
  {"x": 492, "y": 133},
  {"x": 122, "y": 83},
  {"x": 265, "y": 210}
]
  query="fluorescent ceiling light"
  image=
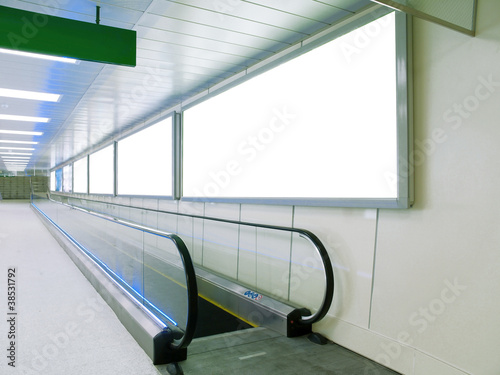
[
  {"x": 32, "y": 95},
  {"x": 18, "y": 142},
  {"x": 38, "y": 56},
  {"x": 19, "y": 132},
  {"x": 15, "y": 158},
  {"x": 16, "y": 153},
  {"x": 17, "y": 148},
  {"x": 24, "y": 118}
]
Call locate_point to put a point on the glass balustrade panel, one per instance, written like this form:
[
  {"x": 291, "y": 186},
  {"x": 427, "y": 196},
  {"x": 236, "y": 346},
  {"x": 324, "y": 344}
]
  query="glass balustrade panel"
[
  {"x": 307, "y": 274},
  {"x": 273, "y": 262},
  {"x": 165, "y": 288},
  {"x": 247, "y": 256},
  {"x": 220, "y": 248}
]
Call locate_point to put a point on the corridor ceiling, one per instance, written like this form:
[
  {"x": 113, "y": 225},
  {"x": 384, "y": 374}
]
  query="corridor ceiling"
[{"x": 183, "y": 48}]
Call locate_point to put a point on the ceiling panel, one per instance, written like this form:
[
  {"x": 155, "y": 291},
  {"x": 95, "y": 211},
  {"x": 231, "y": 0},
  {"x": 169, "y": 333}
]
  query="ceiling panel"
[
  {"x": 185, "y": 51},
  {"x": 348, "y": 5},
  {"x": 245, "y": 23},
  {"x": 183, "y": 48},
  {"x": 314, "y": 10},
  {"x": 257, "y": 14},
  {"x": 182, "y": 27},
  {"x": 199, "y": 42}
]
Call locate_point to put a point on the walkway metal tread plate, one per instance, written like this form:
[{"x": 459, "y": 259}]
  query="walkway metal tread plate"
[{"x": 261, "y": 351}]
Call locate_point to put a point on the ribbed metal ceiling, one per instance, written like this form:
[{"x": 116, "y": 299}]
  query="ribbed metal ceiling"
[{"x": 183, "y": 48}]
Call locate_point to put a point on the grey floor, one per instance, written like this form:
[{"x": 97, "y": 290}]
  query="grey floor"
[
  {"x": 261, "y": 351},
  {"x": 64, "y": 327}
]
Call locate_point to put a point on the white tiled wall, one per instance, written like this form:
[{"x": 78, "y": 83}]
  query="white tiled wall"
[
  {"x": 273, "y": 215},
  {"x": 273, "y": 259},
  {"x": 220, "y": 245},
  {"x": 221, "y": 240},
  {"x": 247, "y": 262},
  {"x": 425, "y": 365},
  {"x": 349, "y": 236},
  {"x": 191, "y": 230},
  {"x": 307, "y": 274},
  {"x": 436, "y": 284}
]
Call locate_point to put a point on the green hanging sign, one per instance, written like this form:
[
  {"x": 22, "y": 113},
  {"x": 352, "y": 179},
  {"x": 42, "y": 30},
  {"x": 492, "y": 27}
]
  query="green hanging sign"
[{"x": 40, "y": 33}]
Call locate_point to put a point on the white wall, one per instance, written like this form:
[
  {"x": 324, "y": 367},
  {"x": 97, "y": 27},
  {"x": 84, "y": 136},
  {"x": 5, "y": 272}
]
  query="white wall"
[
  {"x": 435, "y": 306},
  {"x": 417, "y": 289}
]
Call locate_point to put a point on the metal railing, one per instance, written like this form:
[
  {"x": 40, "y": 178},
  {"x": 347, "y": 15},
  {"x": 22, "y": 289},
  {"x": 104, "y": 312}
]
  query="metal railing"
[{"x": 311, "y": 238}]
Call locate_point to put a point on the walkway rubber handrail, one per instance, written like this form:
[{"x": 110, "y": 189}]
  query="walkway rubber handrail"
[
  {"x": 191, "y": 284},
  {"x": 315, "y": 241}
]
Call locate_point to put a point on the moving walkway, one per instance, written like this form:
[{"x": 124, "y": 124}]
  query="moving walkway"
[{"x": 166, "y": 294}]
